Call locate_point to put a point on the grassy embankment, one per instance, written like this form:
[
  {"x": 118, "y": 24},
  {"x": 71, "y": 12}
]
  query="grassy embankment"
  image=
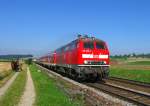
[
  {"x": 47, "y": 94},
  {"x": 14, "y": 93},
  {"x": 127, "y": 71}
]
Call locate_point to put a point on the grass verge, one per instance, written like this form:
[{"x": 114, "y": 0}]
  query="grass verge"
[
  {"x": 137, "y": 75},
  {"x": 14, "y": 93},
  {"x": 47, "y": 93}
]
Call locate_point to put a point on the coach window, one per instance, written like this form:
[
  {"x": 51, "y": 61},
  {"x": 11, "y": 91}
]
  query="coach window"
[
  {"x": 62, "y": 49},
  {"x": 58, "y": 50},
  {"x": 71, "y": 46},
  {"x": 74, "y": 45},
  {"x": 66, "y": 48}
]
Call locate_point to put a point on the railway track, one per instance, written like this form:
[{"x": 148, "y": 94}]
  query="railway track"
[
  {"x": 132, "y": 95},
  {"x": 127, "y": 94},
  {"x": 147, "y": 85},
  {"x": 130, "y": 84}
]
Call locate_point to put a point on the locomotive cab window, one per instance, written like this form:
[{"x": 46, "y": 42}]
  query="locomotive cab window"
[
  {"x": 88, "y": 45},
  {"x": 100, "y": 45}
]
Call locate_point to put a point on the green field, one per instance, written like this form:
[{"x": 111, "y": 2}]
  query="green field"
[
  {"x": 139, "y": 63},
  {"x": 138, "y": 75},
  {"x": 47, "y": 94},
  {"x": 137, "y": 70}
]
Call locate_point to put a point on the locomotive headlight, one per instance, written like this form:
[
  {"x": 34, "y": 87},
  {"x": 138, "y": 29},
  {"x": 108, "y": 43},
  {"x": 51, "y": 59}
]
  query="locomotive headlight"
[
  {"x": 105, "y": 62},
  {"x": 85, "y": 62}
]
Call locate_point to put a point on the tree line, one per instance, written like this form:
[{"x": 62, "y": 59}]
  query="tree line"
[
  {"x": 132, "y": 55},
  {"x": 10, "y": 57}
]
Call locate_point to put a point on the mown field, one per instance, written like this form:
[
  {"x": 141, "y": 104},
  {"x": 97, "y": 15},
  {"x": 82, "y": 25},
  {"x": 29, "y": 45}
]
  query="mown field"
[
  {"x": 4, "y": 66},
  {"x": 5, "y": 72},
  {"x": 133, "y": 70}
]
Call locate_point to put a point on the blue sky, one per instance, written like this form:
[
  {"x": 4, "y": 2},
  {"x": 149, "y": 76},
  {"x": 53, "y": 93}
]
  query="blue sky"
[{"x": 40, "y": 26}]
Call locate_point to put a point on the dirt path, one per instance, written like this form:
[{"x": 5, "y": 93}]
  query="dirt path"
[
  {"x": 4, "y": 88},
  {"x": 28, "y": 97}
]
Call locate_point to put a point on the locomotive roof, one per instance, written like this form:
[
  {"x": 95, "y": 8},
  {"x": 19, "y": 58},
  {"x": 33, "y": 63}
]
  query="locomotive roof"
[
  {"x": 79, "y": 39},
  {"x": 91, "y": 39},
  {"x": 82, "y": 38}
]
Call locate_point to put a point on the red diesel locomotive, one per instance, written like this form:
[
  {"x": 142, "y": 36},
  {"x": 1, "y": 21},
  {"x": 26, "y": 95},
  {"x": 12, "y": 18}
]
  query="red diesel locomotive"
[{"x": 85, "y": 58}]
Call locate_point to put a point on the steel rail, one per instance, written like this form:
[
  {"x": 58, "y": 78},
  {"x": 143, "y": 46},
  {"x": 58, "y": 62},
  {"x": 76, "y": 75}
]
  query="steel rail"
[
  {"x": 132, "y": 96},
  {"x": 143, "y": 84}
]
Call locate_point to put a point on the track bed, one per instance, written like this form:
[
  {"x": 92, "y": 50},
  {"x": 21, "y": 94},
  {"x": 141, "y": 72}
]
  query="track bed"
[{"x": 138, "y": 98}]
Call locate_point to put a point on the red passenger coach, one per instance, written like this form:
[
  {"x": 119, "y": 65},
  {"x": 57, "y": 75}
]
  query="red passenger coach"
[{"x": 85, "y": 58}]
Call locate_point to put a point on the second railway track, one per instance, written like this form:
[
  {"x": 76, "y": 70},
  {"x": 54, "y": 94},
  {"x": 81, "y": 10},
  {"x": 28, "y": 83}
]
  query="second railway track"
[
  {"x": 129, "y": 95},
  {"x": 130, "y": 84},
  {"x": 133, "y": 82}
]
